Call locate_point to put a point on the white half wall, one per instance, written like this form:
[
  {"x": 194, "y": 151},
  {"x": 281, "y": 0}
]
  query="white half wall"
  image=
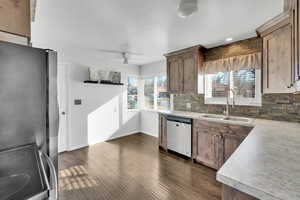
[
  {"x": 102, "y": 115},
  {"x": 149, "y": 119}
]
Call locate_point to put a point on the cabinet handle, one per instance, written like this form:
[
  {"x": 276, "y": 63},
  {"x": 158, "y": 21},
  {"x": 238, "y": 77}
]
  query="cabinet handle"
[
  {"x": 290, "y": 86},
  {"x": 218, "y": 136}
]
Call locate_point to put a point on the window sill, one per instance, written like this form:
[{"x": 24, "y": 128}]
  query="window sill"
[
  {"x": 133, "y": 110},
  {"x": 152, "y": 110},
  {"x": 254, "y": 104}
]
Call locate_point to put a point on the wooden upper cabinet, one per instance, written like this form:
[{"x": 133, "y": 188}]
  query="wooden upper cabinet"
[
  {"x": 183, "y": 68},
  {"x": 279, "y": 63},
  {"x": 190, "y": 73},
  {"x": 15, "y": 17},
  {"x": 175, "y": 74}
]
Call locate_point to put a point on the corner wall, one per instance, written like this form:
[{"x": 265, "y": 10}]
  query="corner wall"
[
  {"x": 102, "y": 115},
  {"x": 149, "y": 119}
]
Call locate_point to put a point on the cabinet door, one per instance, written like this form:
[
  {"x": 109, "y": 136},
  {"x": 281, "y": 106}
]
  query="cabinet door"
[
  {"x": 175, "y": 75},
  {"x": 190, "y": 73},
  {"x": 229, "y": 193},
  {"x": 278, "y": 69},
  {"x": 15, "y": 17},
  {"x": 207, "y": 144},
  {"x": 162, "y": 138},
  {"x": 231, "y": 143}
]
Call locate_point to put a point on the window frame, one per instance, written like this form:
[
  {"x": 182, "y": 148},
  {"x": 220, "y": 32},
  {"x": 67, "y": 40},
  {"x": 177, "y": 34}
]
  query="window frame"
[
  {"x": 155, "y": 92},
  {"x": 257, "y": 101},
  {"x": 138, "y": 93}
]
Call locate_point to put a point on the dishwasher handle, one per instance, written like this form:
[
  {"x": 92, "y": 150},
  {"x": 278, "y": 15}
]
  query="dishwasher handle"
[{"x": 179, "y": 119}]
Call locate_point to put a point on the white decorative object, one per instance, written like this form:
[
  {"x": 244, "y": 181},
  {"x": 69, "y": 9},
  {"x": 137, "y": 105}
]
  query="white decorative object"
[
  {"x": 107, "y": 76},
  {"x": 103, "y": 75},
  {"x": 94, "y": 75}
]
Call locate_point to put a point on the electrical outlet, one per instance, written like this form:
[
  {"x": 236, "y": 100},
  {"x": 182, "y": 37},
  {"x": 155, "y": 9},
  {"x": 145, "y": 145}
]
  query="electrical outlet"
[
  {"x": 77, "y": 102},
  {"x": 188, "y": 105}
]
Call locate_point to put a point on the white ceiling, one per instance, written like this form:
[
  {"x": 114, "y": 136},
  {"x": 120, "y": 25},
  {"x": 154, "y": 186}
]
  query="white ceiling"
[{"x": 149, "y": 27}]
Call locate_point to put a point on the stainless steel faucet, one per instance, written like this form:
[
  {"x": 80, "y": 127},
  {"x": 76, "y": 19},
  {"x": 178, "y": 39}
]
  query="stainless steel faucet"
[{"x": 233, "y": 102}]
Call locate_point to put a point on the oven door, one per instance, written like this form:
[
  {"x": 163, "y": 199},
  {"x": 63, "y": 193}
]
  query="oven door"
[{"x": 23, "y": 174}]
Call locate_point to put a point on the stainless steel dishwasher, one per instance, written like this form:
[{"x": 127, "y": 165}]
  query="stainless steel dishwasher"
[{"x": 179, "y": 135}]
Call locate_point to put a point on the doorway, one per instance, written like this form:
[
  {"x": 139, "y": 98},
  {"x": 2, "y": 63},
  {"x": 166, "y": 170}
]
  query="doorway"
[{"x": 63, "y": 94}]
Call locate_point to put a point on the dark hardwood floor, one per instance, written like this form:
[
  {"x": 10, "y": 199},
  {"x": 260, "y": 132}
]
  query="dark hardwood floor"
[{"x": 132, "y": 168}]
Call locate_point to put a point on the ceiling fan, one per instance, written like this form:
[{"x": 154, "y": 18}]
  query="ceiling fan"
[
  {"x": 187, "y": 8},
  {"x": 125, "y": 54}
]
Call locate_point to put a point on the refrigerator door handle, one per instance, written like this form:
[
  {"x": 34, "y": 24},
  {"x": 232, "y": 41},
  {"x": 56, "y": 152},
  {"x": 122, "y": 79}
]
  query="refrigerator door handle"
[{"x": 54, "y": 187}]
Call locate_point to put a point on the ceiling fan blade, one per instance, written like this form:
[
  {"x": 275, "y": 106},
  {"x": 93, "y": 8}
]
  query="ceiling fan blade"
[{"x": 118, "y": 52}]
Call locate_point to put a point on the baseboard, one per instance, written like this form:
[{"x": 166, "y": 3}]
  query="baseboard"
[
  {"x": 147, "y": 133},
  {"x": 123, "y": 135},
  {"x": 91, "y": 144},
  {"x": 77, "y": 147}
]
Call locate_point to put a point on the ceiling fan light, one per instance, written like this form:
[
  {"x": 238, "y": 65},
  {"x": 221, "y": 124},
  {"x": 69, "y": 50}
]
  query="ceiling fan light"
[
  {"x": 125, "y": 58},
  {"x": 125, "y": 61},
  {"x": 187, "y": 7}
]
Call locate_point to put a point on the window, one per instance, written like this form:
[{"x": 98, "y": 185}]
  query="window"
[
  {"x": 132, "y": 93},
  {"x": 163, "y": 97},
  {"x": 245, "y": 83},
  {"x": 156, "y": 96},
  {"x": 149, "y": 93}
]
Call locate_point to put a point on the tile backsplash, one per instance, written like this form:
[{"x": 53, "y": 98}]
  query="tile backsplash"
[{"x": 282, "y": 107}]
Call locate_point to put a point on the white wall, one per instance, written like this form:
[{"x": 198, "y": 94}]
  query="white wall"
[
  {"x": 152, "y": 69},
  {"x": 149, "y": 119},
  {"x": 102, "y": 115}
]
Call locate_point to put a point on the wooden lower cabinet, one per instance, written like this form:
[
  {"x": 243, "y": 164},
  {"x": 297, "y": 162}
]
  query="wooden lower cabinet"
[
  {"x": 231, "y": 143},
  {"x": 214, "y": 143},
  {"x": 232, "y": 138},
  {"x": 162, "y": 137},
  {"x": 207, "y": 143},
  {"x": 229, "y": 193}
]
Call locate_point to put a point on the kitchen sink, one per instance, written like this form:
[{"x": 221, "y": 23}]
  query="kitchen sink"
[
  {"x": 229, "y": 118},
  {"x": 236, "y": 119},
  {"x": 213, "y": 116}
]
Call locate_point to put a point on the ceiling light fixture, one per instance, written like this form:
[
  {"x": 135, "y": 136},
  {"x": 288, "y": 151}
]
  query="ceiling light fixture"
[
  {"x": 125, "y": 61},
  {"x": 229, "y": 39},
  {"x": 187, "y": 8}
]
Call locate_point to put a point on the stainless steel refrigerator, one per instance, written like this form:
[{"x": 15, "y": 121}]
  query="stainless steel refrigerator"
[{"x": 28, "y": 123}]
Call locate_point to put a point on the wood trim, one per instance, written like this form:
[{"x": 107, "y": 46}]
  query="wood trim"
[
  {"x": 162, "y": 136},
  {"x": 168, "y": 76},
  {"x": 194, "y": 49},
  {"x": 288, "y": 4},
  {"x": 275, "y": 23}
]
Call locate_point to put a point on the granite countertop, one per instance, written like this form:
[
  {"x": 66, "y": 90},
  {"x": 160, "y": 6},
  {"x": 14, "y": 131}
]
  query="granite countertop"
[{"x": 267, "y": 164}]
